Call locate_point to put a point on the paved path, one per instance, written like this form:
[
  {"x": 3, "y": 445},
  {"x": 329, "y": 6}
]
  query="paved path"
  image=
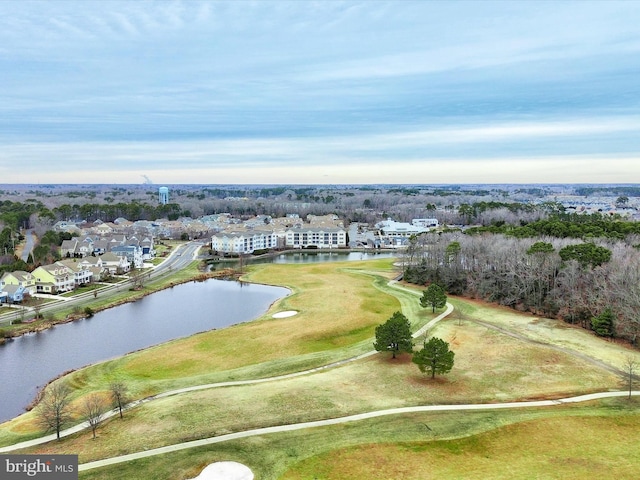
[
  {"x": 28, "y": 246},
  {"x": 299, "y": 426},
  {"x": 350, "y": 418},
  {"x": 170, "y": 393}
]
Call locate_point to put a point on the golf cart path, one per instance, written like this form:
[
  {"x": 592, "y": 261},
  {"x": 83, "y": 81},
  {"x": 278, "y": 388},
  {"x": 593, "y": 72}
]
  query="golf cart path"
[
  {"x": 195, "y": 388},
  {"x": 284, "y": 428},
  {"x": 349, "y": 418}
]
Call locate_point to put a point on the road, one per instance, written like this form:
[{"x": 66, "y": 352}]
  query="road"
[
  {"x": 179, "y": 258},
  {"x": 28, "y": 235}
]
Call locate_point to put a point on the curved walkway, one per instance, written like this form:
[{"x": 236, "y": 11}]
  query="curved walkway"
[
  {"x": 235, "y": 383},
  {"x": 350, "y": 418},
  {"x": 333, "y": 421}
]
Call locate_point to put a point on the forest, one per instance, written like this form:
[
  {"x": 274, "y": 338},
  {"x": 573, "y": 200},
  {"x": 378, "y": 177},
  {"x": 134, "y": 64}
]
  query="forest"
[
  {"x": 581, "y": 281},
  {"x": 514, "y": 245}
]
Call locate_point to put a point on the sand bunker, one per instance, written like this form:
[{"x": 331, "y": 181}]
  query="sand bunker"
[
  {"x": 288, "y": 313},
  {"x": 225, "y": 471}
]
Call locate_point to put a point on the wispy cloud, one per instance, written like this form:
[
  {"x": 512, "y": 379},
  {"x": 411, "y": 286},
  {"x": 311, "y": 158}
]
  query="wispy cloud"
[{"x": 91, "y": 88}]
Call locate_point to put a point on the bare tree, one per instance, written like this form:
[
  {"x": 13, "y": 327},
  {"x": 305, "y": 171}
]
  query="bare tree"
[
  {"x": 54, "y": 409},
  {"x": 118, "y": 395},
  {"x": 94, "y": 408},
  {"x": 630, "y": 365}
]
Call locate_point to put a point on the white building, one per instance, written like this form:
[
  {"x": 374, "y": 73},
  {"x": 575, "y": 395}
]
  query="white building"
[
  {"x": 82, "y": 270},
  {"x": 243, "y": 242},
  {"x": 319, "y": 237},
  {"x": 397, "y": 233},
  {"x": 425, "y": 222}
]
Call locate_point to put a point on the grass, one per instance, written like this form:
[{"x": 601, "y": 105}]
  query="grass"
[
  {"x": 519, "y": 450},
  {"x": 480, "y": 445},
  {"x": 377, "y": 382},
  {"x": 546, "y": 330},
  {"x": 256, "y": 349},
  {"x": 339, "y": 306}
]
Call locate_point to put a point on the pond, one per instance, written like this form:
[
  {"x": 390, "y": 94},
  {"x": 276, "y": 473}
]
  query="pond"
[{"x": 27, "y": 363}]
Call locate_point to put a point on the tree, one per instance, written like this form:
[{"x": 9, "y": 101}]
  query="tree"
[
  {"x": 586, "y": 254},
  {"x": 137, "y": 276},
  {"x": 118, "y": 395},
  {"x": 394, "y": 335},
  {"x": 434, "y": 296},
  {"x": 93, "y": 411},
  {"x": 54, "y": 408},
  {"x": 630, "y": 366},
  {"x": 622, "y": 201},
  {"x": 434, "y": 357},
  {"x": 603, "y": 324}
]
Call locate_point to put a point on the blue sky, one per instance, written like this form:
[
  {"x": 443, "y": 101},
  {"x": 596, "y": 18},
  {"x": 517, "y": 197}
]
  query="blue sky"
[{"x": 319, "y": 92}]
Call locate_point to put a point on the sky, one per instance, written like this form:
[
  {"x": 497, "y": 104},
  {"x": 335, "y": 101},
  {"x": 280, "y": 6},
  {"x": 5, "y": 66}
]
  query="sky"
[{"x": 319, "y": 92}]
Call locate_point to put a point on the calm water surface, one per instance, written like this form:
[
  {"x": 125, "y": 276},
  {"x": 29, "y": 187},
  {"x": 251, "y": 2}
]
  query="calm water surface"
[{"x": 29, "y": 362}]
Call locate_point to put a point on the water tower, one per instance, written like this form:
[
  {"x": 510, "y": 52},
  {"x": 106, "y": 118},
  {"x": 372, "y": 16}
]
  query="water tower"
[{"x": 163, "y": 195}]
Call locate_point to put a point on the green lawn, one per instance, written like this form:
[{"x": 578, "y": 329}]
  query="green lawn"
[
  {"x": 339, "y": 306},
  {"x": 554, "y": 443}
]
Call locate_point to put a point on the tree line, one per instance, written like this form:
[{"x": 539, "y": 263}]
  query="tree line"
[{"x": 574, "y": 280}]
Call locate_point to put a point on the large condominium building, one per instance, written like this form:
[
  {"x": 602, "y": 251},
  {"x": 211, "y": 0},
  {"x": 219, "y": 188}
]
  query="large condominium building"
[
  {"x": 317, "y": 237},
  {"x": 243, "y": 242}
]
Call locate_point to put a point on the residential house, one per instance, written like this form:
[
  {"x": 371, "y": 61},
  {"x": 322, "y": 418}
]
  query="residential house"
[
  {"x": 19, "y": 278},
  {"x": 74, "y": 248},
  {"x": 82, "y": 271},
  {"x": 95, "y": 264},
  {"x": 103, "y": 228},
  {"x": 69, "y": 248},
  {"x": 69, "y": 227},
  {"x": 100, "y": 246},
  {"x": 54, "y": 278},
  {"x": 147, "y": 246},
  {"x": 132, "y": 253},
  {"x": 13, "y": 293},
  {"x": 114, "y": 264}
]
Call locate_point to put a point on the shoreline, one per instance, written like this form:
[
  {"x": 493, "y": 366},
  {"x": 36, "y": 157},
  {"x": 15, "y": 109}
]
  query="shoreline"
[{"x": 35, "y": 326}]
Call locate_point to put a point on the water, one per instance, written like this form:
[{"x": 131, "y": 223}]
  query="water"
[
  {"x": 29, "y": 362},
  {"x": 308, "y": 256},
  {"x": 312, "y": 257}
]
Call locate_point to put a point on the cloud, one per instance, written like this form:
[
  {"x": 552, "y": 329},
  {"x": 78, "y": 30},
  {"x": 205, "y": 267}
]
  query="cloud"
[{"x": 345, "y": 89}]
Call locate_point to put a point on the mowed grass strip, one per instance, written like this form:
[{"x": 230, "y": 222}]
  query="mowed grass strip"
[
  {"x": 338, "y": 313},
  {"x": 451, "y": 444},
  {"x": 552, "y": 448},
  {"x": 546, "y": 330},
  {"x": 490, "y": 367},
  {"x": 334, "y": 309}
]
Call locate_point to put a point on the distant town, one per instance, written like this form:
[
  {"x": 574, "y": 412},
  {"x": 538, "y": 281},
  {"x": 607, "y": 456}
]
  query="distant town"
[{"x": 96, "y": 241}]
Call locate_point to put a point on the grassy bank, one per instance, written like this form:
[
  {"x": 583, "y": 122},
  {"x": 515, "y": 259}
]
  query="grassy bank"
[
  {"x": 480, "y": 445},
  {"x": 490, "y": 366},
  {"x": 338, "y": 312},
  {"x": 501, "y": 355}
]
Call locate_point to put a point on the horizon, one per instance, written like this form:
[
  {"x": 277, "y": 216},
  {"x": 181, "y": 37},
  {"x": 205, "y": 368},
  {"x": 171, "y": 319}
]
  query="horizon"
[{"x": 304, "y": 93}]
